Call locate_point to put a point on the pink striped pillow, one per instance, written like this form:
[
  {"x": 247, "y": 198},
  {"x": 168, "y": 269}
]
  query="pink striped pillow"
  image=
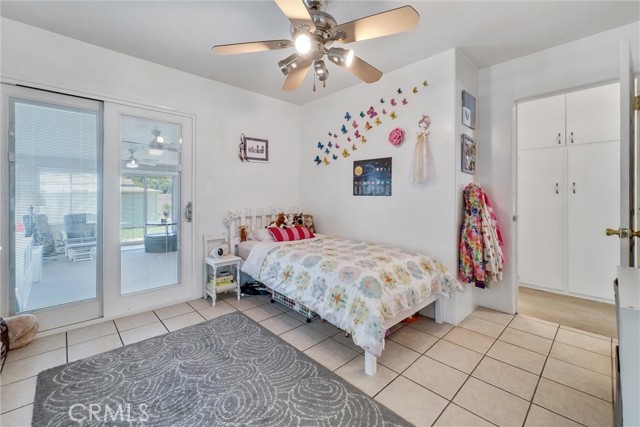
[{"x": 291, "y": 233}]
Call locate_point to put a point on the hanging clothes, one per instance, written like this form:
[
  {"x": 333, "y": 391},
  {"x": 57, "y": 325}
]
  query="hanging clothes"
[{"x": 481, "y": 258}]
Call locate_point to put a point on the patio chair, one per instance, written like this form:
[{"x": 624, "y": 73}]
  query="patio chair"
[
  {"x": 52, "y": 241},
  {"x": 80, "y": 236}
]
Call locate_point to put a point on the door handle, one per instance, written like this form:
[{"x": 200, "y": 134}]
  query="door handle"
[
  {"x": 188, "y": 212},
  {"x": 557, "y": 188},
  {"x": 573, "y": 187},
  {"x": 623, "y": 233},
  {"x": 559, "y": 138},
  {"x": 571, "y": 138}
]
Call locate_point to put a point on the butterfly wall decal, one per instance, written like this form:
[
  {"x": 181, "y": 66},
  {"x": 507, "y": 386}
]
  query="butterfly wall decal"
[{"x": 347, "y": 116}]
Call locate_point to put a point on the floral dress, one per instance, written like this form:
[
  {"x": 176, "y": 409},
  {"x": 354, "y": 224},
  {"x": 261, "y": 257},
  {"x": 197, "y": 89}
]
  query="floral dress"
[{"x": 481, "y": 258}]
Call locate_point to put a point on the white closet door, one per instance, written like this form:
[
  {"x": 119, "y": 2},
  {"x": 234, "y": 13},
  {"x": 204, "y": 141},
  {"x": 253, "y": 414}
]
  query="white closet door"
[
  {"x": 541, "y": 204},
  {"x": 541, "y": 123},
  {"x": 593, "y": 115},
  {"x": 595, "y": 170}
]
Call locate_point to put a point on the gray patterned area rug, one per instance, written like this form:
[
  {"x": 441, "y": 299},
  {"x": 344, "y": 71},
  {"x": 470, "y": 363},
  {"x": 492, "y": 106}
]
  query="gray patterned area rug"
[{"x": 228, "y": 371}]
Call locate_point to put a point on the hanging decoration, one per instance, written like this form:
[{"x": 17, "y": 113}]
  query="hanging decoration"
[
  {"x": 396, "y": 136},
  {"x": 419, "y": 172},
  {"x": 348, "y": 131}
]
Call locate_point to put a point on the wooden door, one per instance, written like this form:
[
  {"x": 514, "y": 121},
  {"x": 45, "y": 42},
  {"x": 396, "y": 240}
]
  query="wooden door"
[
  {"x": 593, "y": 202},
  {"x": 541, "y": 123},
  {"x": 541, "y": 213}
]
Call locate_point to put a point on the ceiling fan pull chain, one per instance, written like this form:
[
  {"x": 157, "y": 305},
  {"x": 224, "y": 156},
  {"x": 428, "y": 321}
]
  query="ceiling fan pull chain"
[{"x": 314, "y": 85}]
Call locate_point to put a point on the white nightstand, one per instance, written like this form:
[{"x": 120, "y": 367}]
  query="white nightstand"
[{"x": 216, "y": 265}]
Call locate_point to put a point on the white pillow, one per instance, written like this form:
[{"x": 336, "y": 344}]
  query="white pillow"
[{"x": 261, "y": 234}]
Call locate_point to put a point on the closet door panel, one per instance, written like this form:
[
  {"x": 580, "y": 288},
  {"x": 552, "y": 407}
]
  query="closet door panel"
[
  {"x": 541, "y": 123},
  {"x": 541, "y": 189},
  {"x": 593, "y": 204},
  {"x": 593, "y": 115}
]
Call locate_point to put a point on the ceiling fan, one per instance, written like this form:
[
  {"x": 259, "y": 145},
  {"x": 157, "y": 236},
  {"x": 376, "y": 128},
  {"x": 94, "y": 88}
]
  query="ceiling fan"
[
  {"x": 314, "y": 31},
  {"x": 157, "y": 146},
  {"x": 133, "y": 163}
]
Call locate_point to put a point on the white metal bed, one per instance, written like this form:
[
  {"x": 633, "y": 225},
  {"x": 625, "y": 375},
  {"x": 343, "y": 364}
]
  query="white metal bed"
[{"x": 261, "y": 217}]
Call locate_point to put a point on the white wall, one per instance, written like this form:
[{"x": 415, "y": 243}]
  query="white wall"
[
  {"x": 418, "y": 217},
  {"x": 466, "y": 79},
  {"x": 584, "y": 62},
  {"x": 222, "y": 112}
]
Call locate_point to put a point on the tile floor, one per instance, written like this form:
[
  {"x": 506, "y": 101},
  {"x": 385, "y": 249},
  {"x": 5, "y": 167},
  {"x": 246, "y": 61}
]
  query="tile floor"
[{"x": 493, "y": 369}]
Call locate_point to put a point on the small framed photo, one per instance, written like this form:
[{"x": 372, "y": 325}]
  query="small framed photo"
[
  {"x": 468, "y": 154},
  {"x": 256, "y": 150},
  {"x": 468, "y": 110}
]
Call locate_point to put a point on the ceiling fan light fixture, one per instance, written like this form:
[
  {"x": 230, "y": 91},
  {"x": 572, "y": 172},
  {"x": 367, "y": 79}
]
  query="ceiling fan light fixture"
[
  {"x": 321, "y": 71},
  {"x": 340, "y": 56},
  {"x": 155, "y": 149},
  {"x": 132, "y": 162},
  {"x": 303, "y": 43},
  {"x": 289, "y": 64}
]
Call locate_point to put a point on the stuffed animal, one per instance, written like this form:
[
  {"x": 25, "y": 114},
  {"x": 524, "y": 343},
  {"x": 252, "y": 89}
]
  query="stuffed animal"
[
  {"x": 17, "y": 331},
  {"x": 280, "y": 222},
  {"x": 243, "y": 233},
  {"x": 298, "y": 220},
  {"x": 308, "y": 222}
]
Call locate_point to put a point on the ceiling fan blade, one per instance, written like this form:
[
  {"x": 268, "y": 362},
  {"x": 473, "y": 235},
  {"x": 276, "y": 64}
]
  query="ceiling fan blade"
[
  {"x": 165, "y": 146},
  {"x": 295, "y": 77},
  {"x": 363, "y": 70},
  {"x": 296, "y": 12},
  {"x": 381, "y": 24},
  {"x": 235, "y": 48}
]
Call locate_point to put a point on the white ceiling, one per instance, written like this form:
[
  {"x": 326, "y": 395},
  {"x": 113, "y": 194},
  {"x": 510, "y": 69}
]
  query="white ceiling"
[{"x": 180, "y": 34}]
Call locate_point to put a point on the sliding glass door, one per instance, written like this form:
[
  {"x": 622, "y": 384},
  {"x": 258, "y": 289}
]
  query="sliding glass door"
[
  {"x": 154, "y": 187},
  {"x": 94, "y": 199},
  {"x": 55, "y": 145}
]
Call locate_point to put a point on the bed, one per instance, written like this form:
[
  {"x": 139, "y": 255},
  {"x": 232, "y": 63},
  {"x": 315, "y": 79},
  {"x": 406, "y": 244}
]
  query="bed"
[{"x": 363, "y": 288}]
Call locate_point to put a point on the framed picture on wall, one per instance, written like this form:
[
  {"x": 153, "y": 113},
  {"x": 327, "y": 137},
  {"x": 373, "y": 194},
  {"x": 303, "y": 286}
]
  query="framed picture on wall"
[
  {"x": 256, "y": 150},
  {"x": 468, "y": 110},
  {"x": 372, "y": 177},
  {"x": 468, "y": 154}
]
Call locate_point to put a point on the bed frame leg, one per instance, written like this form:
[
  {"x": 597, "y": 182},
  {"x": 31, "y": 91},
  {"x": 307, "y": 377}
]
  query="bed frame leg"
[
  {"x": 438, "y": 310},
  {"x": 370, "y": 363}
]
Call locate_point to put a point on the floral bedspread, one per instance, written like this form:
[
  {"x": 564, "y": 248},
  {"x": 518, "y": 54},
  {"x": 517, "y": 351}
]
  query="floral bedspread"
[{"x": 354, "y": 285}]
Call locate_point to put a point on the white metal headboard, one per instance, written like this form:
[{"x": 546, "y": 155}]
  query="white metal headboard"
[{"x": 254, "y": 218}]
